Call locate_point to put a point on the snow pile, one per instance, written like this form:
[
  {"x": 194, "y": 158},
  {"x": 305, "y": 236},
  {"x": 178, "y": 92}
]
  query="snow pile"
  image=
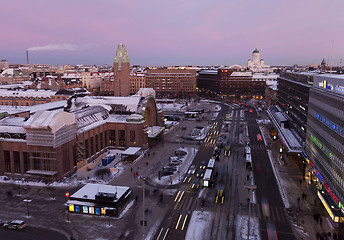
[
  {"x": 200, "y": 226},
  {"x": 242, "y": 230}
]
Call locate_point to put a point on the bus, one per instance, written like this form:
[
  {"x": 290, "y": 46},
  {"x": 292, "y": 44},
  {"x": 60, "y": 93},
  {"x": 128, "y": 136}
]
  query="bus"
[
  {"x": 207, "y": 177},
  {"x": 211, "y": 163}
]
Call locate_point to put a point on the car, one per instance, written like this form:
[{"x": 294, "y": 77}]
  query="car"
[
  {"x": 202, "y": 166},
  {"x": 15, "y": 224},
  {"x": 183, "y": 128},
  {"x": 196, "y": 183},
  {"x": 180, "y": 153},
  {"x": 166, "y": 172},
  {"x": 187, "y": 178},
  {"x": 170, "y": 168},
  {"x": 250, "y": 111},
  {"x": 175, "y": 162},
  {"x": 200, "y": 173},
  {"x": 265, "y": 208},
  {"x": 192, "y": 169}
]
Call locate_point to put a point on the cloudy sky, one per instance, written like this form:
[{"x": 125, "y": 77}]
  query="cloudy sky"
[{"x": 179, "y": 32}]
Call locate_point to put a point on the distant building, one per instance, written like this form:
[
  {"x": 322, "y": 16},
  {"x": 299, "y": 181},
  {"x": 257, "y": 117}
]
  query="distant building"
[
  {"x": 121, "y": 72},
  {"x": 137, "y": 81},
  {"x": 119, "y": 83},
  {"x": 232, "y": 85},
  {"x": 257, "y": 63},
  {"x": 172, "y": 82},
  {"x": 3, "y": 65}
]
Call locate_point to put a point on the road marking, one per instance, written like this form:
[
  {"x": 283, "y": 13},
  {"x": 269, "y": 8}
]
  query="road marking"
[
  {"x": 160, "y": 233},
  {"x": 165, "y": 234},
  {"x": 177, "y": 196},
  {"x": 181, "y": 196},
  {"x": 186, "y": 216},
  {"x": 178, "y": 221}
]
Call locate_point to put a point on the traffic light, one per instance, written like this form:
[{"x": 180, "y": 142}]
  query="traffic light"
[{"x": 297, "y": 212}]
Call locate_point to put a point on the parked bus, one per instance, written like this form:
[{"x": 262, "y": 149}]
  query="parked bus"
[{"x": 207, "y": 177}]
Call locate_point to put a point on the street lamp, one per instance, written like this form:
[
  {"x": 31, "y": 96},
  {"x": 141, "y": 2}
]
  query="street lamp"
[
  {"x": 110, "y": 209},
  {"x": 67, "y": 211},
  {"x": 27, "y": 206}
]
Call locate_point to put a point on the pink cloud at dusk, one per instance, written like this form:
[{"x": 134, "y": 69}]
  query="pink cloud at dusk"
[{"x": 177, "y": 32}]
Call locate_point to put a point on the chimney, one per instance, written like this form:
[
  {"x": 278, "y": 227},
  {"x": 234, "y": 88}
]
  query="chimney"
[{"x": 27, "y": 57}]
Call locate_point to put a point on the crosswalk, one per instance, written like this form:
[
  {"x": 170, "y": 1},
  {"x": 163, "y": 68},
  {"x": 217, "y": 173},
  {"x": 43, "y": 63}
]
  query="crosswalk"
[
  {"x": 257, "y": 147},
  {"x": 277, "y": 214}
]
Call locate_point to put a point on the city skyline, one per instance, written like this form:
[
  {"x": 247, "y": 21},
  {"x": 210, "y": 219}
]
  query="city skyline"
[{"x": 190, "y": 33}]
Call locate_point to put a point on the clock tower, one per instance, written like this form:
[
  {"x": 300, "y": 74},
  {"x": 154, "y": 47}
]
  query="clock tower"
[{"x": 121, "y": 72}]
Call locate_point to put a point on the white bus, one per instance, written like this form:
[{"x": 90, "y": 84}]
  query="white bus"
[
  {"x": 211, "y": 163},
  {"x": 207, "y": 177}
]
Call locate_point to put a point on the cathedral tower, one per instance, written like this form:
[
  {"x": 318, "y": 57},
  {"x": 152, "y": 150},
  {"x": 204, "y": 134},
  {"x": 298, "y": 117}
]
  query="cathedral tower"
[{"x": 121, "y": 72}]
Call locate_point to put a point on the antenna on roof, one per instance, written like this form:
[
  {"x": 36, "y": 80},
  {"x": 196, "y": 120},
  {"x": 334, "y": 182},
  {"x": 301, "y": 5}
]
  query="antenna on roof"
[{"x": 331, "y": 58}]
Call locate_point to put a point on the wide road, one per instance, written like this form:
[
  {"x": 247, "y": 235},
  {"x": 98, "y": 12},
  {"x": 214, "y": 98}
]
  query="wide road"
[
  {"x": 269, "y": 209},
  {"x": 175, "y": 223},
  {"x": 31, "y": 233}
]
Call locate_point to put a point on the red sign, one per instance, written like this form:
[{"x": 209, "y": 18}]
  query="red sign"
[{"x": 67, "y": 194}]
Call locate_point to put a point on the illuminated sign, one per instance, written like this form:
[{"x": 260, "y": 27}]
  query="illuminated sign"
[
  {"x": 325, "y": 205},
  {"x": 91, "y": 210},
  {"x": 77, "y": 208},
  {"x": 332, "y": 195},
  {"x": 322, "y": 147},
  {"x": 97, "y": 211},
  {"x": 318, "y": 174},
  {"x": 71, "y": 208},
  {"x": 103, "y": 211},
  {"x": 329, "y": 123},
  {"x": 84, "y": 209}
]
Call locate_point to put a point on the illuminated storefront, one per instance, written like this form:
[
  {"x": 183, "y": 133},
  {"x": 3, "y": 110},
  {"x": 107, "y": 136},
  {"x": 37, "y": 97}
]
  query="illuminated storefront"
[{"x": 99, "y": 199}]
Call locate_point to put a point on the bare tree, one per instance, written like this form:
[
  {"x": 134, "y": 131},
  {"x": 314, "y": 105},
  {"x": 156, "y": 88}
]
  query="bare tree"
[{"x": 101, "y": 172}]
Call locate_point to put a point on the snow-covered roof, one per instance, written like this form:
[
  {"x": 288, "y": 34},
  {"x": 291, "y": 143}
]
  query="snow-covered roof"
[
  {"x": 131, "y": 151},
  {"x": 241, "y": 74},
  {"x": 53, "y": 120},
  {"x": 27, "y": 93},
  {"x": 90, "y": 190},
  {"x": 131, "y": 103},
  {"x": 144, "y": 92},
  {"x": 12, "y": 125}
]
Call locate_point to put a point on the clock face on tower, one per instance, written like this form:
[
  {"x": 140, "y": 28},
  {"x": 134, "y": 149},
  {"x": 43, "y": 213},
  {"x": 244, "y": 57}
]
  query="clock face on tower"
[{"x": 120, "y": 54}]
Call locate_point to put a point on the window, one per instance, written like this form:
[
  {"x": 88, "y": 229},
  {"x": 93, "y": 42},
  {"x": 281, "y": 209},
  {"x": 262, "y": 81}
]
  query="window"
[
  {"x": 36, "y": 161},
  {"x": 26, "y": 161},
  {"x": 7, "y": 160},
  {"x": 121, "y": 138},
  {"x": 112, "y": 138},
  {"x": 16, "y": 158},
  {"x": 132, "y": 138}
]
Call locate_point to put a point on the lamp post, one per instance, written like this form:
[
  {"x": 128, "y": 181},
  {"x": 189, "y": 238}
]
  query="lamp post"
[
  {"x": 67, "y": 211},
  {"x": 27, "y": 206},
  {"x": 110, "y": 209}
]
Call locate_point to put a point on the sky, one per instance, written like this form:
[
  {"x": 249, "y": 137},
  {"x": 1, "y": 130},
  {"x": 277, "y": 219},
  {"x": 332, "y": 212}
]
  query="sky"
[{"x": 179, "y": 32}]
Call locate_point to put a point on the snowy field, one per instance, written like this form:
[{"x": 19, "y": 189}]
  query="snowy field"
[{"x": 200, "y": 226}]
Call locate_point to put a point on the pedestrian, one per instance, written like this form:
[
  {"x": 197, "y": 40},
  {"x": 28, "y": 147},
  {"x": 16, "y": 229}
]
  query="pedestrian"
[
  {"x": 137, "y": 174},
  {"x": 134, "y": 174},
  {"x": 148, "y": 154},
  {"x": 146, "y": 163},
  {"x": 131, "y": 169},
  {"x": 300, "y": 181},
  {"x": 305, "y": 196},
  {"x": 136, "y": 198},
  {"x": 153, "y": 153}
]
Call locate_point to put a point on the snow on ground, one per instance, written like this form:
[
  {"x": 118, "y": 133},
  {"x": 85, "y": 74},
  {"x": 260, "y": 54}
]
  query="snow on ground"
[
  {"x": 200, "y": 226},
  {"x": 181, "y": 169},
  {"x": 242, "y": 228}
]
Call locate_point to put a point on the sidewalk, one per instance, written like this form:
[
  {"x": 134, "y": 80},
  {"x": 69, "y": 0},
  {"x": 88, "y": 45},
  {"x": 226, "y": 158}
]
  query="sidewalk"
[{"x": 297, "y": 194}]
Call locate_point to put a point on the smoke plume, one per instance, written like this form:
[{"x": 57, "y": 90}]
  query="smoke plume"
[{"x": 65, "y": 46}]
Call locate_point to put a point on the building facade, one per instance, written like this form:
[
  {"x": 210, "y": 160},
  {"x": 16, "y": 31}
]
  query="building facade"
[
  {"x": 325, "y": 143},
  {"x": 121, "y": 72},
  {"x": 52, "y": 144},
  {"x": 172, "y": 82}
]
